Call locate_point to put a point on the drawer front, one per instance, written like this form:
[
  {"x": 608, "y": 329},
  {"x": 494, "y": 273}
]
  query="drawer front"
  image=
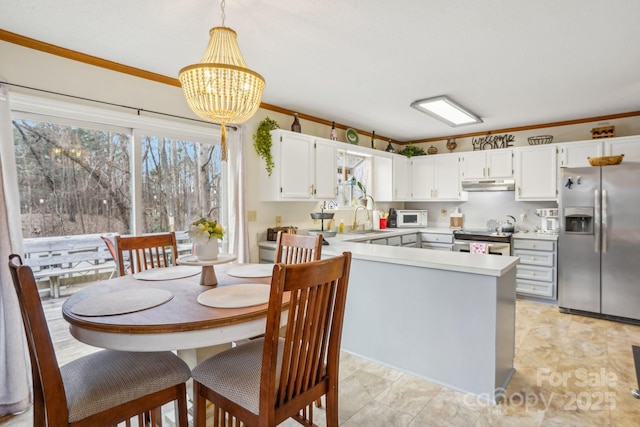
[
  {"x": 535, "y": 273},
  {"x": 540, "y": 289},
  {"x": 535, "y": 258},
  {"x": 437, "y": 238},
  {"x": 409, "y": 238},
  {"x": 378, "y": 241},
  {"x": 437, "y": 247},
  {"x": 538, "y": 245},
  {"x": 394, "y": 241}
]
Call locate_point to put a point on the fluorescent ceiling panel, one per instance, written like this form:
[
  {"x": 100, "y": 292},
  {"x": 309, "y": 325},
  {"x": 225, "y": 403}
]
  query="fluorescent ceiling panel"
[{"x": 444, "y": 109}]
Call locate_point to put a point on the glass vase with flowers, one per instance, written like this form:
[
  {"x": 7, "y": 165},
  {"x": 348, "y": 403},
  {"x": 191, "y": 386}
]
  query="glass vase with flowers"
[{"x": 205, "y": 235}]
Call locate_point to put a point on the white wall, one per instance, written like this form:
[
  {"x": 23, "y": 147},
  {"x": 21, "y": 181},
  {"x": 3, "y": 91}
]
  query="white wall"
[{"x": 32, "y": 68}]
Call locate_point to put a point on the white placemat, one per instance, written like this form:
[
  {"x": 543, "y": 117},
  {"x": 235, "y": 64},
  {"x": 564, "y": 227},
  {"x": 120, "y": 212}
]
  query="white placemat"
[
  {"x": 251, "y": 270},
  {"x": 121, "y": 302},
  {"x": 168, "y": 273},
  {"x": 236, "y": 296}
]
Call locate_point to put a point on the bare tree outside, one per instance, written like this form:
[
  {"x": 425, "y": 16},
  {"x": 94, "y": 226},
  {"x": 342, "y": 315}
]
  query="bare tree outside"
[{"x": 76, "y": 180}]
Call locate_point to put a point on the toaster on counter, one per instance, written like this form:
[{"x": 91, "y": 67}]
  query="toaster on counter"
[{"x": 272, "y": 233}]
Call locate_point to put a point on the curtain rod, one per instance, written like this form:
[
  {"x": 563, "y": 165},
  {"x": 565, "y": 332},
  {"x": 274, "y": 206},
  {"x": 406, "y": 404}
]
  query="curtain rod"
[{"x": 138, "y": 110}]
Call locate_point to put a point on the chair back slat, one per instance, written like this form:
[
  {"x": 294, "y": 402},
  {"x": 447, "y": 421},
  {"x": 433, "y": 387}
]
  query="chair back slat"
[
  {"x": 145, "y": 252},
  {"x": 296, "y": 249},
  {"x": 313, "y": 333},
  {"x": 47, "y": 380}
]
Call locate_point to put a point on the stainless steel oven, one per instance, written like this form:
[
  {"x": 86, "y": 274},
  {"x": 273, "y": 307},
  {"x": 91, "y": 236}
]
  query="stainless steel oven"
[{"x": 494, "y": 243}]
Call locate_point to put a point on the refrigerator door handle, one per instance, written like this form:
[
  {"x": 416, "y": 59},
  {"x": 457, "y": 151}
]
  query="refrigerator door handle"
[
  {"x": 604, "y": 221},
  {"x": 597, "y": 221}
]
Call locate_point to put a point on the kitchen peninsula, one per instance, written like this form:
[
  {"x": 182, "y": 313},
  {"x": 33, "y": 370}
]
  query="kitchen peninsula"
[{"x": 445, "y": 316}]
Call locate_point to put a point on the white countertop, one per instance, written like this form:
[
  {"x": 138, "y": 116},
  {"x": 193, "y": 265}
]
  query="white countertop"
[
  {"x": 489, "y": 265},
  {"x": 535, "y": 236}
]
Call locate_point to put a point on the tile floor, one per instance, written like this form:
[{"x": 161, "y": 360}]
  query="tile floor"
[{"x": 570, "y": 371}]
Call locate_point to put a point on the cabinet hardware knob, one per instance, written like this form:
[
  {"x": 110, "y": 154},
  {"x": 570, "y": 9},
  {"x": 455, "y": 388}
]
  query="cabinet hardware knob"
[
  {"x": 533, "y": 258},
  {"x": 533, "y": 274}
]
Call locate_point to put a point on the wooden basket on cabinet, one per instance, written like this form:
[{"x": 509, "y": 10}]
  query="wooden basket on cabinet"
[{"x": 606, "y": 160}]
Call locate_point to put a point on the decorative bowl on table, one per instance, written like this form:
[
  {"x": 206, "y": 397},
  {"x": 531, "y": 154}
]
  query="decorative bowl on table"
[{"x": 606, "y": 160}]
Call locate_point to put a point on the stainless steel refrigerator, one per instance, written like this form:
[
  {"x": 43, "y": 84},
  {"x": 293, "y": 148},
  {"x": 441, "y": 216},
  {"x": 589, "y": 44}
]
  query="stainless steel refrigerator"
[{"x": 599, "y": 242}]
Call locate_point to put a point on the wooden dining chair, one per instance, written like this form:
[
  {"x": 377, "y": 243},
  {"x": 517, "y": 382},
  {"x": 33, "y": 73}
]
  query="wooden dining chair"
[
  {"x": 270, "y": 379},
  {"x": 109, "y": 242},
  {"x": 297, "y": 248},
  {"x": 145, "y": 252},
  {"x": 100, "y": 389}
]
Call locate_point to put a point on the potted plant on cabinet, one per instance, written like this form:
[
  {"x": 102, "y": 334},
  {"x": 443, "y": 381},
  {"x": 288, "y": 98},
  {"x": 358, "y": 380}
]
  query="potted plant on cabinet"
[{"x": 262, "y": 141}]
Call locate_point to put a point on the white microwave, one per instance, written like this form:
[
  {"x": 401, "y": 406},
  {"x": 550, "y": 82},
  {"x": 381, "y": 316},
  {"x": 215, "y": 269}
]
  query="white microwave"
[{"x": 411, "y": 218}]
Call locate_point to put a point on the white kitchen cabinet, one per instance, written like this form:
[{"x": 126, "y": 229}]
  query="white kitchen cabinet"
[
  {"x": 304, "y": 168},
  {"x": 422, "y": 178},
  {"x": 536, "y": 172},
  {"x": 382, "y": 178},
  {"x": 487, "y": 164},
  {"x": 574, "y": 154},
  {"x": 628, "y": 145},
  {"x": 410, "y": 240},
  {"x": 536, "y": 274},
  {"x": 437, "y": 241},
  {"x": 325, "y": 166},
  {"x": 401, "y": 178},
  {"x": 435, "y": 177}
]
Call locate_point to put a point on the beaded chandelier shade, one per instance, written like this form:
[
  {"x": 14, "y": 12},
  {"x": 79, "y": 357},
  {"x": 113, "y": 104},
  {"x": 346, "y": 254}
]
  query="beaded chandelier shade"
[{"x": 221, "y": 88}]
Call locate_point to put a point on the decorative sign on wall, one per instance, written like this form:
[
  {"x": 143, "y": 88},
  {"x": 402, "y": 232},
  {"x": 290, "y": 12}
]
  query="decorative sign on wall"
[{"x": 492, "y": 142}]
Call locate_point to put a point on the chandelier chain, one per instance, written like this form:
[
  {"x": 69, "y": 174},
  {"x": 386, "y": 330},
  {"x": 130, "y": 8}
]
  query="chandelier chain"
[{"x": 222, "y": 7}]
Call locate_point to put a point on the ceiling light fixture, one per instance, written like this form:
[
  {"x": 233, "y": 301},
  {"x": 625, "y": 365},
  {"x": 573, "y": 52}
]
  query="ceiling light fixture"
[
  {"x": 221, "y": 88},
  {"x": 444, "y": 109}
]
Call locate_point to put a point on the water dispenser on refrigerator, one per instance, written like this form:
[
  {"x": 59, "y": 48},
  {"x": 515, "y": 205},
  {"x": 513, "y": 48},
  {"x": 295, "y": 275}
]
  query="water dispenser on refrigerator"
[{"x": 578, "y": 220}]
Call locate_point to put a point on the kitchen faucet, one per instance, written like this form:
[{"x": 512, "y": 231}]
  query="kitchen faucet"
[{"x": 355, "y": 217}]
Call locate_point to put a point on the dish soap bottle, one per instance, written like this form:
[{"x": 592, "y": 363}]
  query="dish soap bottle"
[
  {"x": 295, "y": 126},
  {"x": 341, "y": 227}
]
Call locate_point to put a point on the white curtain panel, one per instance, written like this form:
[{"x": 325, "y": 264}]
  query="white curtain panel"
[
  {"x": 15, "y": 372},
  {"x": 239, "y": 238}
]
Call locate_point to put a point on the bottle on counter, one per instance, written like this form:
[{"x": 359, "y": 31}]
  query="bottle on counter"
[
  {"x": 295, "y": 126},
  {"x": 333, "y": 135},
  {"x": 341, "y": 226},
  {"x": 376, "y": 219}
]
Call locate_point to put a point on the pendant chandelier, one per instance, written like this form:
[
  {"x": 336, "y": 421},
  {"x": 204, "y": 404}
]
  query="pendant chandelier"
[{"x": 221, "y": 88}]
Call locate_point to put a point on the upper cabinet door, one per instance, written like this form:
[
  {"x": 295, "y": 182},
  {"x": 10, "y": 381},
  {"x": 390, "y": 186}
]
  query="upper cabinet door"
[
  {"x": 326, "y": 166},
  {"x": 536, "y": 173},
  {"x": 499, "y": 163},
  {"x": 575, "y": 154},
  {"x": 473, "y": 165},
  {"x": 297, "y": 171},
  {"x": 422, "y": 178},
  {"x": 401, "y": 178},
  {"x": 447, "y": 177},
  {"x": 382, "y": 178},
  {"x": 629, "y": 146}
]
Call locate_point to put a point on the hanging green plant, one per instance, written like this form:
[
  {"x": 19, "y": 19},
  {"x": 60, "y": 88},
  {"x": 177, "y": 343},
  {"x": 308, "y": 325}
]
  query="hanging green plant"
[
  {"x": 412, "y": 150},
  {"x": 262, "y": 141}
]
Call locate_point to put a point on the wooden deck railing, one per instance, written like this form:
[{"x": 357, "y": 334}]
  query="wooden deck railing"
[{"x": 68, "y": 260}]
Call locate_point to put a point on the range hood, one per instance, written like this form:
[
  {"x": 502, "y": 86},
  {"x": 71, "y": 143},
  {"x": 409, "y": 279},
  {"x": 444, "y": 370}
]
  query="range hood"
[{"x": 488, "y": 185}]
